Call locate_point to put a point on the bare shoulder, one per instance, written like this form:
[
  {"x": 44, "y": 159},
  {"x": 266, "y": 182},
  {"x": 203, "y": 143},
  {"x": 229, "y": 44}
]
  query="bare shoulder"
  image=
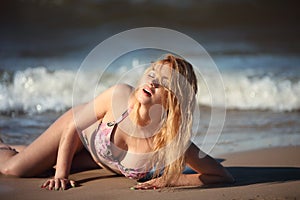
[
  {"x": 114, "y": 98},
  {"x": 119, "y": 90},
  {"x": 123, "y": 88}
]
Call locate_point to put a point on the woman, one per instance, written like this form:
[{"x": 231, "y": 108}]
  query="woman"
[{"x": 129, "y": 131}]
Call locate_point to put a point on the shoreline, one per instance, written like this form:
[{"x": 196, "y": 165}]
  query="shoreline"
[{"x": 271, "y": 173}]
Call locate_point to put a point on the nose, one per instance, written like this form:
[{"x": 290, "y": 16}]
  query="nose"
[{"x": 154, "y": 83}]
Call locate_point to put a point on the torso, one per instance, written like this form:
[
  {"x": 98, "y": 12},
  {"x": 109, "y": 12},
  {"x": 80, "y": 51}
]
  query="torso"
[
  {"x": 111, "y": 146},
  {"x": 129, "y": 155}
]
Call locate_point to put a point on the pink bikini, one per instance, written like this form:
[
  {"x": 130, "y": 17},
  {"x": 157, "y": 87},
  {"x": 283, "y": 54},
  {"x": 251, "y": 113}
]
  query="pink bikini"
[{"x": 103, "y": 149}]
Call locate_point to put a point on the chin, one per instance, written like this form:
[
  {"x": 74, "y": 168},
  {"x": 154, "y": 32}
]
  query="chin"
[{"x": 142, "y": 99}]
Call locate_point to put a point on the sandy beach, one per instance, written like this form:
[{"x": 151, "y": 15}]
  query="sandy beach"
[
  {"x": 272, "y": 173},
  {"x": 255, "y": 46}
]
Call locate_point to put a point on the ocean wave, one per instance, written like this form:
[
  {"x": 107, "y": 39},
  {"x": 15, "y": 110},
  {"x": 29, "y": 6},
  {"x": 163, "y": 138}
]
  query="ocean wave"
[
  {"x": 244, "y": 92},
  {"x": 37, "y": 90}
]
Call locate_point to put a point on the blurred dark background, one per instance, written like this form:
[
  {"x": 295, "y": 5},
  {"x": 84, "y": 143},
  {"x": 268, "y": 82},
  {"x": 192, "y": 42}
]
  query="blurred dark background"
[
  {"x": 40, "y": 26},
  {"x": 255, "y": 44}
]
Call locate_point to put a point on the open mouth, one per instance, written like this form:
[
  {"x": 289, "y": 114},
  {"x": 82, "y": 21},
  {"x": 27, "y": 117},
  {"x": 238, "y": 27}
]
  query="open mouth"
[{"x": 147, "y": 92}]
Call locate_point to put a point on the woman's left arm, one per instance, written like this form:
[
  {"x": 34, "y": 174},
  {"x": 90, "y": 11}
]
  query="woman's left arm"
[{"x": 208, "y": 171}]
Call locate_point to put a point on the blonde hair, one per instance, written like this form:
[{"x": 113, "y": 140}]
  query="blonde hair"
[{"x": 173, "y": 138}]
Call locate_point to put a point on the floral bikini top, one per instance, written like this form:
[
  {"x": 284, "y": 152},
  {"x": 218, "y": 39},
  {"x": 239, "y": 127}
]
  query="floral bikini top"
[{"x": 104, "y": 146}]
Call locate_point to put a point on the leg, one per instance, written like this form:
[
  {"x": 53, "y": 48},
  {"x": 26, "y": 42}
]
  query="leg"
[
  {"x": 18, "y": 148},
  {"x": 83, "y": 161},
  {"x": 6, "y": 152},
  {"x": 38, "y": 156}
]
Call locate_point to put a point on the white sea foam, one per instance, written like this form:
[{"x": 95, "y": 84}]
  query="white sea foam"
[
  {"x": 264, "y": 93},
  {"x": 37, "y": 90}
]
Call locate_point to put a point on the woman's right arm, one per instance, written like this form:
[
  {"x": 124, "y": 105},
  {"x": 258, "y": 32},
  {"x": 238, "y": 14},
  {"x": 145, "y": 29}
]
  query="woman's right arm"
[
  {"x": 80, "y": 118},
  {"x": 76, "y": 120}
]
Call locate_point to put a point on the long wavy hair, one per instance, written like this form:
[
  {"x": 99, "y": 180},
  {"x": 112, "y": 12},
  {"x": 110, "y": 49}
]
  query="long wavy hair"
[{"x": 173, "y": 138}]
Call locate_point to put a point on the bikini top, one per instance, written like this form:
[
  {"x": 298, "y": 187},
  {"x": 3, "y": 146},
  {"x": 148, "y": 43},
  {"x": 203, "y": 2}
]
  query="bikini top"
[{"x": 104, "y": 146}]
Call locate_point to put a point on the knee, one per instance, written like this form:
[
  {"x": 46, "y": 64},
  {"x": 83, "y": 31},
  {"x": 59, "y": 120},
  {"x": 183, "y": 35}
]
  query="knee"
[
  {"x": 6, "y": 166},
  {"x": 4, "y": 171},
  {"x": 11, "y": 171}
]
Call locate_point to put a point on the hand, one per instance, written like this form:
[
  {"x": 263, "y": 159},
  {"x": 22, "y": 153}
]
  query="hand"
[
  {"x": 183, "y": 180},
  {"x": 149, "y": 185},
  {"x": 58, "y": 184}
]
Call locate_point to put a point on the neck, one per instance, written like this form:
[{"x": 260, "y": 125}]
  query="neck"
[
  {"x": 144, "y": 122},
  {"x": 150, "y": 116},
  {"x": 143, "y": 116},
  {"x": 147, "y": 118}
]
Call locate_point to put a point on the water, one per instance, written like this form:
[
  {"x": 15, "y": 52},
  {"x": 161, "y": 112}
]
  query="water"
[{"x": 257, "y": 58}]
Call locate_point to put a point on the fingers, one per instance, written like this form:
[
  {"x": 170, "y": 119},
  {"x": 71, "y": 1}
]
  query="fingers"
[
  {"x": 46, "y": 184},
  {"x": 148, "y": 185},
  {"x": 72, "y": 183},
  {"x": 58, "y": 184},
  {"x": 144, "y": 187},
  {"x": 63, "y": 184}
]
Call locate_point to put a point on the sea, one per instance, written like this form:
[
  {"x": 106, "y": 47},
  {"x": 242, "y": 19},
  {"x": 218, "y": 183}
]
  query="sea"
[{"x": 254, "y": 46}]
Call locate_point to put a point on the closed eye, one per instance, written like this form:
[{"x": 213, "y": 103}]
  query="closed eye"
[{"x": 151, "y": 74}]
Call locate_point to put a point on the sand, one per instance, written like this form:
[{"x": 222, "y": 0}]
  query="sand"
[{"x": 272, "y": 173}]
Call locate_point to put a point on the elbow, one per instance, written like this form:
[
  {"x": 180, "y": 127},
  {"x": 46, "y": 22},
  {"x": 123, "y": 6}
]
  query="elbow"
[{"x": 228, "y": 178}]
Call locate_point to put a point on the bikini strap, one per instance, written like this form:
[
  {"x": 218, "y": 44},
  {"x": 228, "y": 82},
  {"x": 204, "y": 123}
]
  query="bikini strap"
[{"x": 122, "y": 117}]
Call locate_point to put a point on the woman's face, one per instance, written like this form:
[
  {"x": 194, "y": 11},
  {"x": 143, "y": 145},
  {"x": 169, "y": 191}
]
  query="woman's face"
[{"x": 153, "y": 85}]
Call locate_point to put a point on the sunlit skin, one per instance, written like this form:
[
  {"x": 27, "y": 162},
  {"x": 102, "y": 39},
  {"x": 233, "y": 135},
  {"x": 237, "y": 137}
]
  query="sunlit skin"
[
  {"x": 61, "y": 146},
  {"x": 150, "y": 90}
]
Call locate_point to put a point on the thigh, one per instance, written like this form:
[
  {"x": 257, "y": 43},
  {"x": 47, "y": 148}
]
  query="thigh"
[
  {"x": 83, "y": 161},
  {"x": 42, "y": 153},
  {"x": 18, "y": 148}
]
